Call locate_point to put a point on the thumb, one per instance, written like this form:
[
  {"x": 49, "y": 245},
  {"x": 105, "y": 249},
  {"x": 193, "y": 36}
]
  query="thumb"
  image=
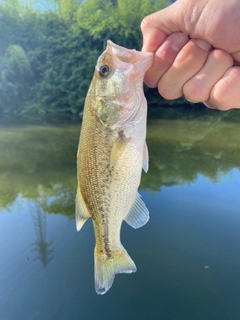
[{"x": 157, "y": 26}]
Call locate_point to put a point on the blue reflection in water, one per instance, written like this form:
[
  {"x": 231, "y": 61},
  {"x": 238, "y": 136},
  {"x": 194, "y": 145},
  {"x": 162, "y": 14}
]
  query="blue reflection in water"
[{"x": 187, "y": 257}]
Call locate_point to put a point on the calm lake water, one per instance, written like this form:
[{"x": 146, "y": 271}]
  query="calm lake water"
[{"x": 188, "y": 255}]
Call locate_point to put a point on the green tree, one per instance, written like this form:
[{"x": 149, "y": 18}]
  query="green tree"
[{"x": 48, "y": 49}]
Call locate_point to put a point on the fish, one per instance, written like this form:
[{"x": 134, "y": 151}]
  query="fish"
[{"x": 111, "y": 153}]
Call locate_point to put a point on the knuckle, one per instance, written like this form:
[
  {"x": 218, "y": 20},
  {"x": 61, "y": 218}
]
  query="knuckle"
[
  {"x": 167, "y": 92},
  {"x": 145, "y": 24},
  {"x": 151, "y": 83},
  {"x": 222, "y": 56},
  {"x": 225, "y": 94},
  {"x": 217, "y": 99},
  {"x": 194, "y": 92}
]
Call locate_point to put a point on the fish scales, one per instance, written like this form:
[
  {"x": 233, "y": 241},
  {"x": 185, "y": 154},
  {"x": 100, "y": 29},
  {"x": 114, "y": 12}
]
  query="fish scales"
[{"x": 111, "y": 154}]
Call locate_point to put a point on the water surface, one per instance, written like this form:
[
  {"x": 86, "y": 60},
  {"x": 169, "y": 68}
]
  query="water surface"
[{"x": 188, "y": 255}]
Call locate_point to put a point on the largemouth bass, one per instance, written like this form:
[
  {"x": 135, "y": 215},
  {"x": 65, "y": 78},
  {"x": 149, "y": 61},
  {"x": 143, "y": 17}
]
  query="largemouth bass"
[{"x": 111, "y": 154}]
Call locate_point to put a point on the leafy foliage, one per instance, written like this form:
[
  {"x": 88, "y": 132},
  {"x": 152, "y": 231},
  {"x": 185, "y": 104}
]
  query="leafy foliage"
[{"x": 48, "y": 49}]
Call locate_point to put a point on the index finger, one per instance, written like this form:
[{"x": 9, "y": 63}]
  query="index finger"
[
  {"x": 153, "y": 38},
  {"x": 156, "y": 27}
]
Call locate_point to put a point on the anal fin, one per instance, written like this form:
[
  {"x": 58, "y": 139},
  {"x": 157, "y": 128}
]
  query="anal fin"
[
  {"x": 138, "y": 215},
  {"x": 81, "y": 211}
]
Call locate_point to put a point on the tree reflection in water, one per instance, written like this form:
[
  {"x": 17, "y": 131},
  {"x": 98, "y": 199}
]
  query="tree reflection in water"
[
  {"x": 43, "y": 248},
  {"x": 39, "y": 162}
]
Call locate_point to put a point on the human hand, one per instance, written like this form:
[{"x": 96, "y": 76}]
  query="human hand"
[{"x": 194, "y": 67}]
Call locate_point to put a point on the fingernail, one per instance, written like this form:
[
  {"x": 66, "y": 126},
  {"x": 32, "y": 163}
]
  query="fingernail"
[
  {"x": 203, "y": 45},
  {"x": 178, "y": 40}
]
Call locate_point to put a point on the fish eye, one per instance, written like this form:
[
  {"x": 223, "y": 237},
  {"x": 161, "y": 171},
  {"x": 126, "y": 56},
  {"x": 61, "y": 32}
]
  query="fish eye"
[{"x": 104, "y": 71}]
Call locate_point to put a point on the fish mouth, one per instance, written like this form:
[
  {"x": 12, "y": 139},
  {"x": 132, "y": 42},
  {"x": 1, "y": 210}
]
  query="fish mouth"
[{"x": 143, "y": 60}]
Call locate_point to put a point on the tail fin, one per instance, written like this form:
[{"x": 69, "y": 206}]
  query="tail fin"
[{"x": 106, "y": 268}]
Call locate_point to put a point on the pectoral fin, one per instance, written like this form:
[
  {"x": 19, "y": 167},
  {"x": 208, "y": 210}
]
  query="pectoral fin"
[
  {"x": 119, "y": 146},
  {"x": 138, "y": 215},
  {"x": 145, "y": 157},
  {"x": 81, "y": 211}
]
